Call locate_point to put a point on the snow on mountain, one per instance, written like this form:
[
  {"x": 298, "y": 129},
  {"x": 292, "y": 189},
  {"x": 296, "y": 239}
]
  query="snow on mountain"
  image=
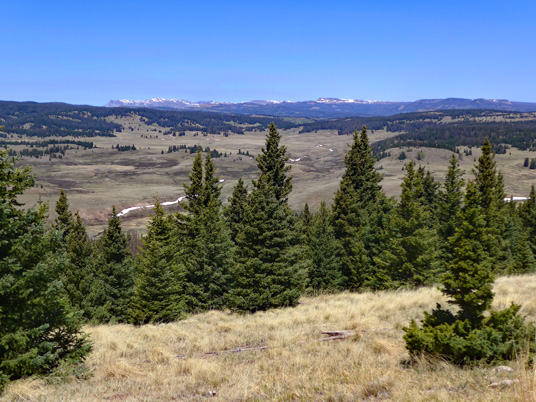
[{"x": 327, "y": 107}]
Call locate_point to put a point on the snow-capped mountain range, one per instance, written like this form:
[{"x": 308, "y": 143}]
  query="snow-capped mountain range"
[{"x": 327, "y": 107}]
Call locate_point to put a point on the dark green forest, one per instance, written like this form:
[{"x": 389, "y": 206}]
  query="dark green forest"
[
  {"x": 254, "y": 253},
  {"x": 421, "y": 129},
  {"x": 60, "y": 119},
  {"x": 429, "y": 129}
]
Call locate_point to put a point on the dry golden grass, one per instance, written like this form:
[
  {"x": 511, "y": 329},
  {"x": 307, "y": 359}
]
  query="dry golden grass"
[{"x": 165, "y": 362}]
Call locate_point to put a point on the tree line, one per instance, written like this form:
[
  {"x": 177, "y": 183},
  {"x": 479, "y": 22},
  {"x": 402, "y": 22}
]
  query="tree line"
[
  {"x": 433, "y": 130},
  {"x": 255, "y": 253}
]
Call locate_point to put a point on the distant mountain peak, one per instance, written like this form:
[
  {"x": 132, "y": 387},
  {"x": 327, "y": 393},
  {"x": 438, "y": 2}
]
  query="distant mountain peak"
[{"x": 327, "y": 107}]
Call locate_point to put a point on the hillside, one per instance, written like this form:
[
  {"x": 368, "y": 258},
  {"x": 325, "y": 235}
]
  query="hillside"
[
  {"x": 127, "y": 157},
  {"x": 168, "y": 362}
]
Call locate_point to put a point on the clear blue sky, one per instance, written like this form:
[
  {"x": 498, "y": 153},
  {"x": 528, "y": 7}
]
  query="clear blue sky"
[{"x": 89, "y": 52}]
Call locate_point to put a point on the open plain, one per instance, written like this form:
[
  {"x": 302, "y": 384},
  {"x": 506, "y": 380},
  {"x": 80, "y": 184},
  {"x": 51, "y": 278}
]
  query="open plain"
[{"x": 99, "y": 178}]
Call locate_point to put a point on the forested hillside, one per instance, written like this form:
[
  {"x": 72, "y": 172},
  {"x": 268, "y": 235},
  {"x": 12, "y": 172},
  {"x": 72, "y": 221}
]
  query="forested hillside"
[
  {"x": 438, "y": 129},
  {"x": 443, "y": 129},
  {"x": 61, "y": 119}
]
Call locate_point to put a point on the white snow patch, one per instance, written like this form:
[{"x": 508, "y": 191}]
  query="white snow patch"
[
  {"x": 297, "y": 160},
  {"x": 508, "y": 199},
  {"x": 127, "y": 210}
]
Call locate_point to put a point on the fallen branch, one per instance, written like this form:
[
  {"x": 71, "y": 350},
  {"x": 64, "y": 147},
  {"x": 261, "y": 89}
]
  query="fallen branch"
[
  {"x": 332, "y": 336},
  {"x": 336, "y": 335},
  {"x": 221, "y": 352}
]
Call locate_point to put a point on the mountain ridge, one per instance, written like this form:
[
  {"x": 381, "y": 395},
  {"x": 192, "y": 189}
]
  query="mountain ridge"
[{"x": 328, "y": 107}]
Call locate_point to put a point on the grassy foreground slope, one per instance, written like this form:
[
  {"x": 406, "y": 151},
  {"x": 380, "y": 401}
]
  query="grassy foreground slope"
[{"x": 166, "y": 362}]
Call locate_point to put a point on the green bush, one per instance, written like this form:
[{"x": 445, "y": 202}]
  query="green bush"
[
  {"x": 499, "y": 337},
  {"x": 474, "y": 333}
]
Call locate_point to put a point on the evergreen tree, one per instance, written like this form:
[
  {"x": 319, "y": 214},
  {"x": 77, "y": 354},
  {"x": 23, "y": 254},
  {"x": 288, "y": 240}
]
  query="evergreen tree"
[
  {"x": 470, "y": 334},
  {"x": 523, "y": 261},
  {"x": 158, "y": 294},
  {"x": 356, "y": 203},
  {"x": 348, "y": 230},
  {"x": 64, "y": 220},
  {"x": 527, "y": 214},
  {"x": 486, "y": 179},
  {"x": 207, "y": 250},
  {"x": 430, "y": 191},
  {"x": 412, "y": 254},
  {"x": 268, "y": 271},
  {"x": 195, "y": 189},
  {"x": 450, "y": 200},
  {"x": 490, "y": 186},
  {"x": 323, "y": 250},
  {"x": 38, "y": 328},
  {"x": 113, "y": 273},
  {"x": 469, "y": 279},
  {"x": 234, "y": 213},
  {"x": 78, "y": 275},
  {"x": 271, "y": 162},
  {"x": 306, "y": 218},
  {"x": 448, "y": 209}
]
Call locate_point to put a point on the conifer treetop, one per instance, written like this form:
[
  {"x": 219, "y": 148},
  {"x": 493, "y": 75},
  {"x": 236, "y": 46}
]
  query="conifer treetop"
[
  {"x": 272, "y": 165},
  {"x": 360, "y": 171},
  {"x": 485, "y": 173}
]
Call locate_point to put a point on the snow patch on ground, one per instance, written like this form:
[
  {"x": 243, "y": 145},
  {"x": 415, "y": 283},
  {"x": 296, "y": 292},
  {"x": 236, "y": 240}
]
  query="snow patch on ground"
[
  {"x": 508, "y": 199},
  {"x": 127, "y": 210},
  {"x": 297, "y": 160}
]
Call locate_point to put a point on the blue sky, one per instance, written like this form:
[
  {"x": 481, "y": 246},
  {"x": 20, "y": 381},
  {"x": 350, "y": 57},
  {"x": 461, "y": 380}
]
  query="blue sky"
[{"x": 89, "y": 52}]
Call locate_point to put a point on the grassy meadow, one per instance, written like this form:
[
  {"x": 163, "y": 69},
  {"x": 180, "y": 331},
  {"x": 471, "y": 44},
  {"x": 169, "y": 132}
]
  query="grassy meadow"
[
  {"x": 96, "y": 179},
  {"x": 168, "y": 362}
]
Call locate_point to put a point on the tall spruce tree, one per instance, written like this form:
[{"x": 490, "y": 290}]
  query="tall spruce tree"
[
  {"x": 114, "y": 274},
  {"x": 273, "y": 171},
  {"x": 470, "y": 277},
  {"x": 234, "y": 212},
  {"x": 323, "y": 251},
  {"x": 64, "y": 221},
  {"x": 194, "y": 190},
  {"x": 490, "y": 185},
  {"x": 358, "y": 203},
  {"x": 268, "y": 271},
  {"x": 306, "y": 218},
  {"x": 158, "y": 288},
  {"x": 430, "y": 191},
  {"x": 486, "y": 178},
  {"x": 38, "y": 329},
  {"x": 78, "y": 274},
  {"x": 411, "y": 257},
  {"x": 450, "y": 200},
  {"x": 527, "y": 214},
  {"x": 207, "y": 250}
]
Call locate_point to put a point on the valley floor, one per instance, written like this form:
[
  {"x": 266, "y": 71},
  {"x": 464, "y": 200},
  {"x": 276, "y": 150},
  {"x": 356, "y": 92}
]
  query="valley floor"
[{"x": 168, "y": 362}]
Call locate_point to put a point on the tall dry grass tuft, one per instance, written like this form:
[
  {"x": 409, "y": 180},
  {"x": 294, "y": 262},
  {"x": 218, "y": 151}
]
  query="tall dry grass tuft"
[{"x": 167, "y": 362}]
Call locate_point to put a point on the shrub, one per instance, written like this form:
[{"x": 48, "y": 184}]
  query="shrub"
[{"x": 470, "y": 335}]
